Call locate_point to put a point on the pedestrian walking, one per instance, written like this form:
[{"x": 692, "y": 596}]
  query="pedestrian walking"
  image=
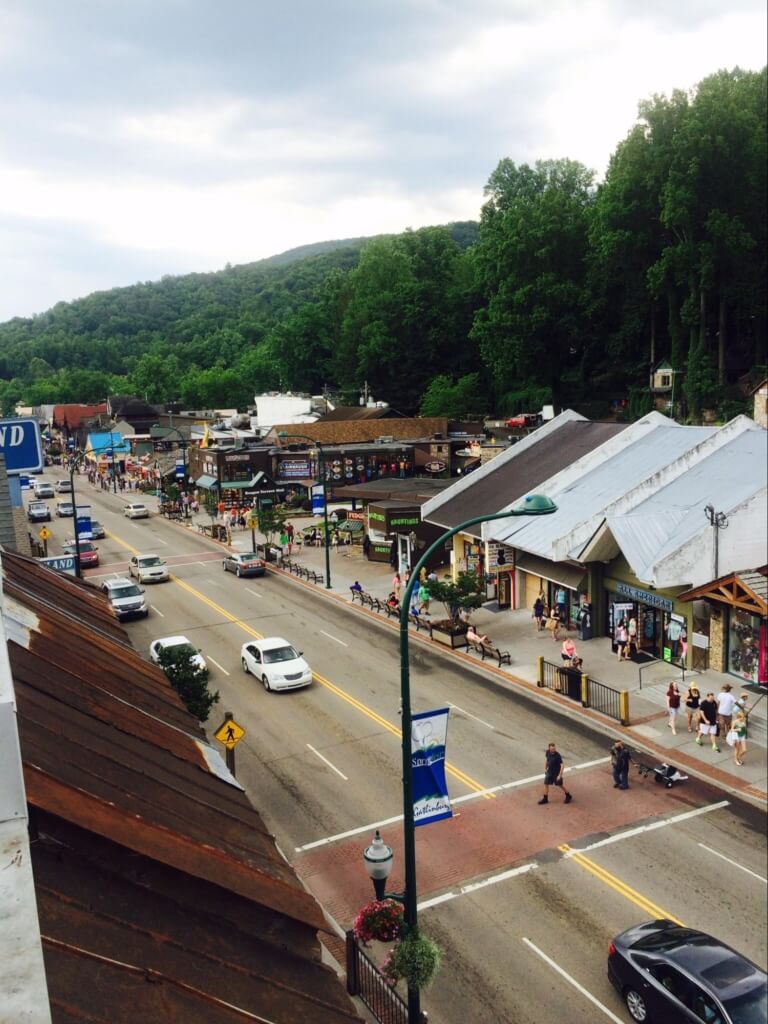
[
  {"x": 553, "y": 624},
  {"x": 725, "y": 705},
  {"x": 335, "y": 540},
  {"x": 554, "y": 766},
  {"x": 424, "y": 597},
  {"x": 620, "y": 760},
  {"x": 397, "y": 584},
  {"x": 692, "y": 699},
  {"x": 620, "y": 636},
  {"x": 673, "y": 706},
  {"x": 631, "y": 637},
  {"x": 708, "y": 721},
  {"x": 367, "y": 546},
  {"x": 740, "y": 737},
  {"x": 538, "y": 614},
  {"x": 568, "y": 651}
]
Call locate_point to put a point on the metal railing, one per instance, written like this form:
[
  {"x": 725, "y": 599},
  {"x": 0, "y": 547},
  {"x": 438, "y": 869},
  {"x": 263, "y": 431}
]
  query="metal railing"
[
  {"x": 605, "y": 699},
  {"x": 365, "y": 980},
  {"x": 589, "y": 692},
  {"x": 556, "y": 677}
]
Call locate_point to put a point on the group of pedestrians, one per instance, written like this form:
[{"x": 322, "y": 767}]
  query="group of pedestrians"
[{"x": 711, "y": 716}]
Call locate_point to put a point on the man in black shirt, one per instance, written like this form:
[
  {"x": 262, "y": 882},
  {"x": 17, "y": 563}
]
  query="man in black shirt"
[
  {"x": 553, "y": 774},
  {"x": 620, "y": 758}
]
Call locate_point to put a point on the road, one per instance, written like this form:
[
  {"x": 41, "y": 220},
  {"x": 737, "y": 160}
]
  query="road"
[{"x": 523, "y": 918}]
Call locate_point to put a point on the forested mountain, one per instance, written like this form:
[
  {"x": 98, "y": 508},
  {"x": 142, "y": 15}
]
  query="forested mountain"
[{"x": 566, "y": 291}]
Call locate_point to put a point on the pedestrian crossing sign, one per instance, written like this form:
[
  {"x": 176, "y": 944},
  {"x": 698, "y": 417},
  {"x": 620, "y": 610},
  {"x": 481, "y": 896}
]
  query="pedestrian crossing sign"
[{"x": 229, "y": 733}]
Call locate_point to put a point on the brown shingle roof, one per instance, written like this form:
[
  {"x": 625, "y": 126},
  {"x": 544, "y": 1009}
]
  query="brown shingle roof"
[
  {"x": 362, "y": 431},
  {"x": 522, "y": 473},
  {"x": 161, "y": 893}
]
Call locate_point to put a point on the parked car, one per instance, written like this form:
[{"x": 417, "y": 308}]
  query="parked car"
[
  {"x": 63, "y": 486},
  {"x": 179, "y": 643},
  {"x": 273, "y": 660},
  {"x": 43, "y": 489},
  {"x": 135, "y": 510},
  {"x": 97, "y": 530},
  {"x": 148, "y": 568},
  {"x": 667, "y": 974},
  {"x": 89, "y": 553},
  {"x": 126, "y": 598},
  {"x": 64, "y": 508},
  {"x": 244, "y": 564},
  {"x": 38, "y": 512}
]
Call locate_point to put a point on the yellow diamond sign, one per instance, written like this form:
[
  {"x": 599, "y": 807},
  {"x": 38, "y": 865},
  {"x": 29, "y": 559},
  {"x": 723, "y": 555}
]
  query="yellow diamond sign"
[{"x": 229, "y": 733}]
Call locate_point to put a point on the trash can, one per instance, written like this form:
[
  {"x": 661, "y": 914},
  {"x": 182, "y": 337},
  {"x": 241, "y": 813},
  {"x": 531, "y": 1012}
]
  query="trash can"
[{"x": 585, "y": 622}]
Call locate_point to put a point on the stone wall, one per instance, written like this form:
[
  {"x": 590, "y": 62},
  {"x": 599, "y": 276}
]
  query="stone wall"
[{"x": 717, "y": 639}]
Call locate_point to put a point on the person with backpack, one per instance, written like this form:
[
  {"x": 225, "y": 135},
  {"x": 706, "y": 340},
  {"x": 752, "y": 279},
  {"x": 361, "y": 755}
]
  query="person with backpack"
[{"x": 621, "y": 758}]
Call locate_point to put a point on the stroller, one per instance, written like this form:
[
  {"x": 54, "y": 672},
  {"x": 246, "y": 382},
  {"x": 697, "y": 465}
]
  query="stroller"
[{"x": 664, "y": 774}]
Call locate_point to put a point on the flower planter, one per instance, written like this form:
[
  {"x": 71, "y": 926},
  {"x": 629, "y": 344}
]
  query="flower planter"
[{"x": 448, "y": 633}]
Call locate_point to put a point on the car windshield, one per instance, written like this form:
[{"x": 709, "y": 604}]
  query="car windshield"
[
  {"x": 750, "y": 1007},
  {"x": 185, "y": 648},
  {"x": 279, "y": 654},
  {"x": 129, "y": 590},
  {"x": 150, "y": 560},
  {"x": 136, "y": 508}
]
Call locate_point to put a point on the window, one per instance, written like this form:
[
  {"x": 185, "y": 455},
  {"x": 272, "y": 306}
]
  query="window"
[{"x": 666, "y": 380}]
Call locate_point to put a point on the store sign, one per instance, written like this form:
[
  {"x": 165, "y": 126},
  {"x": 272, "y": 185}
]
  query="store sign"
[
  {"x": 436, "y": 466},
  {"x": 358, "y": 517},
  {"x": 240, "y": 457},
  {"x": 700, "y": 640},
  {"x": 291, "y": 469},
  {"x": 393, "y": 520},
  {"x": 644, "y": 597},
  {"x": 21, "y": 445}
]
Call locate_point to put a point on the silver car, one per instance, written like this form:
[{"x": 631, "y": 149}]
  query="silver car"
[
  {"x": 148, "y": 569},
  {"x": 126, "y": 598}
]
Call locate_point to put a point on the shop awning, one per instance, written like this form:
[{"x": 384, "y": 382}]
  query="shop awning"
[
  {"x": 572, "y": 577},
  {"x": 206, "y": 481},
  {"x": 349, "y": 525},
  {"x": 745, "y": 590},
  {"x": 240, "y": 485}
]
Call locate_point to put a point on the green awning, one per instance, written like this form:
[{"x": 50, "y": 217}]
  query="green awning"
[
  {"x": 206, "y": 481},
  {"x": 350, "y": 525},
  {"x": 239, "y": 485}
]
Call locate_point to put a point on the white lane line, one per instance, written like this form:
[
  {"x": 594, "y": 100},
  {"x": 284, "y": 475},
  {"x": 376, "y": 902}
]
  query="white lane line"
[
  {"x": 457, "y": 800},
  {"x": 632, "y": 832},
  {"x": 476, "y": 719},
  {"x": 218, "y": 666},
  {"x": 474, "y": 886},
  {"x": 325, "y": 759},
  {"x": 157, "y": 611},
  {"x": 159, "y": 541},
  {"x": 334, "y": 638},
  {"x": 204, "y": 564},
  {"x": 572, "y": 981},
  {"x": 734, "y": 863},
  {"x": 254, "y": 592}
]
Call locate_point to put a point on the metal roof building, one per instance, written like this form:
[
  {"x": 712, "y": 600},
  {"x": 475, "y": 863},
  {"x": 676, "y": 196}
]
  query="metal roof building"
[{"x": 161, "y": 895}]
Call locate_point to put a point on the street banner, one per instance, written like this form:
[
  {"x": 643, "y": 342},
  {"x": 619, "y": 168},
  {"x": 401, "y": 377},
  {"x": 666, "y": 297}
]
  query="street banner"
[
  {"x": 83, "y": 522},
  {"x": 429, "y": 731}
]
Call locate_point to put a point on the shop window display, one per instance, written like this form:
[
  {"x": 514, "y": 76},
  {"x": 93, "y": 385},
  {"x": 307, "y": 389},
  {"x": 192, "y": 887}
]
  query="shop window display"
[{"x": 744, "y": 645}]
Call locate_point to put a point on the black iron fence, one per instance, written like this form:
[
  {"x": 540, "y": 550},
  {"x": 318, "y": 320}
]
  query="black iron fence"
[
  {"x": 365, "y": 980},
  {"x": 589, "y": 692}
]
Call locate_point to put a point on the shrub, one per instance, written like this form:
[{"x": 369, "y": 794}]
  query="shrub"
[{"x": 381, "y": 920}]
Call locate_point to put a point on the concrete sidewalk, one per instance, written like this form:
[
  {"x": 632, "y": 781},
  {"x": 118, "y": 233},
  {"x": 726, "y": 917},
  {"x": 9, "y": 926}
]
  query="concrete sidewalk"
[{"x": 516, "y": 632}]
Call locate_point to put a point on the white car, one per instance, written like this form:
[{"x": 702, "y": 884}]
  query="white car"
[
  {"x": 180, "y": 643},
  {"x": 43, "y": 490},
  {"x": 135, "y": 510},
  {"x": 148, "y": 568},
  {"x": 64, "y": 486},
  {"x": 273, "y": 660}
]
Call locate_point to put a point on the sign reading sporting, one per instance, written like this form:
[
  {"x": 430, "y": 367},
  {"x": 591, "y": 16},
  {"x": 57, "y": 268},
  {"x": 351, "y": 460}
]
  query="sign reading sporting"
[{"x": 22, "y": 445}]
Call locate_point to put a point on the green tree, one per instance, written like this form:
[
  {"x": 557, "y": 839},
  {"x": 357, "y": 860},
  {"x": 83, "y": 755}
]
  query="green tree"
[
  {"x": 188, "y": 680},
  {"x": 463, "y": 594},
  {"x": 456, "y": 399}
]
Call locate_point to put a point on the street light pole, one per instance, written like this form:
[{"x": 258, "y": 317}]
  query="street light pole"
[
  {"x": 321, "y": 463},
  {"x": 533, "y": 505}
]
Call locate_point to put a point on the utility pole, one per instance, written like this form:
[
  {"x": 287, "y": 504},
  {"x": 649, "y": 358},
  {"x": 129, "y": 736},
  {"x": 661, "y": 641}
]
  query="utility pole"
[{"x": 718, "y": 521}]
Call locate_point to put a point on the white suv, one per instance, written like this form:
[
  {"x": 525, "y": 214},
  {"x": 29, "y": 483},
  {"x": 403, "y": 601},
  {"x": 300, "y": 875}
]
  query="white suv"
[
  {"x": 126, "y": 598},
  {"x": 148, "y": 569}
]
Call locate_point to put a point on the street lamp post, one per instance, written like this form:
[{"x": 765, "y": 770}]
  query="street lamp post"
[
  {"x": 321, "y": 463},
  {"x": 533, "y": 505}
]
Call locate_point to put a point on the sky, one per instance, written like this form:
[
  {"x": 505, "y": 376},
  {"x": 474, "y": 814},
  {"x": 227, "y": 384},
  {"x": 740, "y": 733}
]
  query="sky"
[{"x": 140, "y": 138}]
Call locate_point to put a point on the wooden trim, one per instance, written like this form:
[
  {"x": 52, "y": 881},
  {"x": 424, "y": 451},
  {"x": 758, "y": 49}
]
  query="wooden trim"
[{"x": 730, "y": 590}]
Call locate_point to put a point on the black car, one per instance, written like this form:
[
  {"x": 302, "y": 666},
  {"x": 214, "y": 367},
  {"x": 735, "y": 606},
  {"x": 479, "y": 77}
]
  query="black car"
[{"x": 667, "y": 974}]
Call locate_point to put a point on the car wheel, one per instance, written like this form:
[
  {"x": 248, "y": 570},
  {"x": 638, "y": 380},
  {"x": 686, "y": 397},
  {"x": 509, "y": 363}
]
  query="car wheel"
[
  {"x": 244, "y": 663},
  {"x": 265, "y": 681},
  {"x": 636, "y": 1005}
]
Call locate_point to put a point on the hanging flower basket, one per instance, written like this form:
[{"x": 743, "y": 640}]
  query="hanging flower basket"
[
  {"x": 381, "y": 920},
  {"x": 414, "y": 958}
]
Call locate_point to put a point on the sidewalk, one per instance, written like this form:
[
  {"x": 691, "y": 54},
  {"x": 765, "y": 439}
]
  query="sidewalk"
[{"x": 516, "y": 632}]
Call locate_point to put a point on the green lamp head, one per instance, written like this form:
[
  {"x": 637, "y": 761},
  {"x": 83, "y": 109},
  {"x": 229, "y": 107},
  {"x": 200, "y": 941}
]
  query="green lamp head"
[{"x": 535, "y": 505}]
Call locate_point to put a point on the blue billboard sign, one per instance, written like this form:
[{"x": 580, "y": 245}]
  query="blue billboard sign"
[
  {"x": 22, "y": 445},
  {"x": 61, "y": 563},
  {"x": 83, "y": 522}
]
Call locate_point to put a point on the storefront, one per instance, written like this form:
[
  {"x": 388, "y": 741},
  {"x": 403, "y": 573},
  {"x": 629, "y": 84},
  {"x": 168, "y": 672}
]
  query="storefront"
[
  {"x": 561, "y": 585},
  {"x": 391, "y": 522},
  {"x": 738, "y": 624},
  {"x": 662, "y": 622}
]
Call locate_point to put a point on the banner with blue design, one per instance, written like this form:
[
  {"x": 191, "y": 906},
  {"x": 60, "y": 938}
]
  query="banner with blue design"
[
  {"x": 429, "y": 731},
  {"x": 83, "y": 522}
]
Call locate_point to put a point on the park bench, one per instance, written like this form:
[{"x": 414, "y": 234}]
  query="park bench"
[
  {"x": 316, "y": 577},
  {"x": 357, "y": 595},
  {"x": 418, "y": 621},
  {"x": 488, "y": 651}
]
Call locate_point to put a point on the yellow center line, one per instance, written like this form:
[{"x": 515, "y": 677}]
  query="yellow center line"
[
  {"x": 618, "y": 885},
  {"x": 456, "y": 773}
]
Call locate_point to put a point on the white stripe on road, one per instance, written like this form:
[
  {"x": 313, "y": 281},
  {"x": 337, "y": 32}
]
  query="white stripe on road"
[
  {"x": 159, "y": 541},
  {"x": 474, "y": 886},
  {"x": 458, "y": 800},
  {"x": 334, "y": 638},
  {"x": 254, "y": 592},
  {"x": 157, "y": 611},
  {"x": 572, "y": 981},
  {"x": 632, "y": 832},
  {"x": 734, "y": 863},
  {"x": 325, "y": 759},
  {"x": 218, "y": 666},
  {"x": 476, "y": 719}
]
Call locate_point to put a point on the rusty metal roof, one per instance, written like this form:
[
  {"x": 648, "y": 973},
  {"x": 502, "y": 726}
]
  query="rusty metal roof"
[{"x": 161, "y": 892}]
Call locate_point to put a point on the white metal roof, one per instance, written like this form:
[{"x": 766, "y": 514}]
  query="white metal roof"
[{"x": 586, "y": 489}]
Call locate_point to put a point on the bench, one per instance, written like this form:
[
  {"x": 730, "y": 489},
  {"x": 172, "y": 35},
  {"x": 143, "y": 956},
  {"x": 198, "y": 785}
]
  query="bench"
[
  {"x": 392, "y": 610},
  {"x": 488, "y": 651},
  {"x": 418, "y": 621},
  {"x": 373, "y": 602},
  {"x": 357, "y": 595},
  {"x": 316, "y": 577}
]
